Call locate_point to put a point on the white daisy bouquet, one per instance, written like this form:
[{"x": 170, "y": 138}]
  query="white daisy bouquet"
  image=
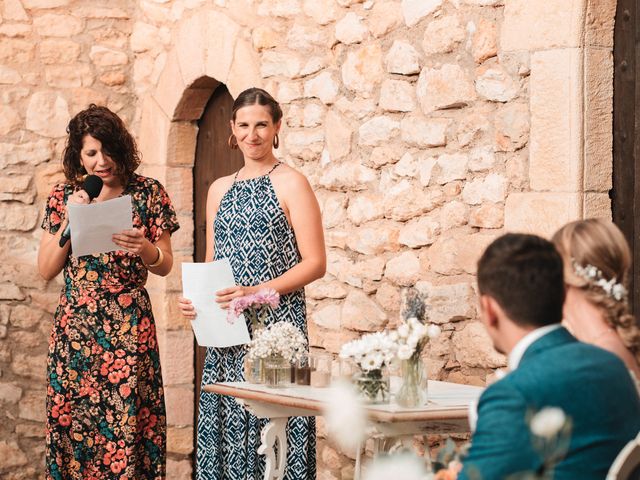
[
  {"x": 281, "y": 339},
  {"x": 371, "y": 351}
]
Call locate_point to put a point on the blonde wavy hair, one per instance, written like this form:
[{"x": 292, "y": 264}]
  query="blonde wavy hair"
[{"x": 600, "y": 243}]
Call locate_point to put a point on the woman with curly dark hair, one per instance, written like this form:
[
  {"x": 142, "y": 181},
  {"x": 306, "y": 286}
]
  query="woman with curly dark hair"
[{"x": 105, "y": 401}]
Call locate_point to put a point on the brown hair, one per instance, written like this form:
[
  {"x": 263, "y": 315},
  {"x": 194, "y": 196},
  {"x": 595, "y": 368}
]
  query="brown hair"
[
  {"x": 600, "y": 243},
  {"x": 523, "y": 273},
  {"x": 107, "y": 127},
  {"x": 253, "y": 96}
]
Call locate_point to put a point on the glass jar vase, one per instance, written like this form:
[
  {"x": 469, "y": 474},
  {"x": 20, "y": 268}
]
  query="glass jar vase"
[
  {"x": 413, "y": 390},
  {"x": 277, "y": 372},
  {"x": 253, "y": 370},
  {"x": 373, "y": 386}
]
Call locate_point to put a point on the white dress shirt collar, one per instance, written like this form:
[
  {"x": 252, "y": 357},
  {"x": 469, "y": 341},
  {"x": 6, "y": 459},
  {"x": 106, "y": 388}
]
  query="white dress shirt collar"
[{"x": 525, "y": 342}]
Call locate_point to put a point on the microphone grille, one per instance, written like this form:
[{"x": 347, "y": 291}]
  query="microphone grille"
[{"x": 92, "y": 185}]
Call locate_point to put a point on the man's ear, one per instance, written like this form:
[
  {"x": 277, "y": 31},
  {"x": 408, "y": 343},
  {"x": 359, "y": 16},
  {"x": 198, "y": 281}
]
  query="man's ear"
[{"x": 490, "y": 310}]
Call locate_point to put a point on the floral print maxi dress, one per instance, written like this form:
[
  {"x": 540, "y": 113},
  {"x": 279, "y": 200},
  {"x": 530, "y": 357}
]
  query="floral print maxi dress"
[
  {"x": 105, "y": 402},
  {"x": 252, "y": 231}
]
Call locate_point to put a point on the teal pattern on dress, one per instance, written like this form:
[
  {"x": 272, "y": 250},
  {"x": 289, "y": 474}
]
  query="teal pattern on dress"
[{"x": 252, "y": 231}]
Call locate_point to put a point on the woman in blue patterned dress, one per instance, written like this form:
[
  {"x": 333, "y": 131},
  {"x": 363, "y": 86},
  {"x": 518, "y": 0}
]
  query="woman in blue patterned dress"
[
  {"x": 265, "y": 219},
  {"x": 105, "y": 401}
]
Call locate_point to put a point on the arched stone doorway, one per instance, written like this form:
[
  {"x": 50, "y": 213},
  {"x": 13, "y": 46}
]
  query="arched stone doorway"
[{"x": 208, "y": 52}]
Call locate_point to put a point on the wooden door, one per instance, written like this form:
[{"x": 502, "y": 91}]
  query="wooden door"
[
  {"x": 625, "y": 194},
  {"x": 214, "y": 159}
]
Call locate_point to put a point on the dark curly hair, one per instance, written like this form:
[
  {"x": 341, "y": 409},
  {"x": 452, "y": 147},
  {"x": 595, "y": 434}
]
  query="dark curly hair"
[{"x": 107, "y": 127}]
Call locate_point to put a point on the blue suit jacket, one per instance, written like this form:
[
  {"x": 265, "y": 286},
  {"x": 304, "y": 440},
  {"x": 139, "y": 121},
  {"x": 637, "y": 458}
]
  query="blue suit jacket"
[{"x": 591, "y": 385}]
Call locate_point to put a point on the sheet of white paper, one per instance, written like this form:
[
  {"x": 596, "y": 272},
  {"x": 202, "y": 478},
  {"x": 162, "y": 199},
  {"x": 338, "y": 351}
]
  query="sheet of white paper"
[
  {"x": 93, "y": 225},
  {"x": 212, "y": 328}
]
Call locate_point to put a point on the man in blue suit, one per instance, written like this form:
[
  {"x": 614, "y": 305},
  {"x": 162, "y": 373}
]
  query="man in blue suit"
[{"x": 521, "y": 295}]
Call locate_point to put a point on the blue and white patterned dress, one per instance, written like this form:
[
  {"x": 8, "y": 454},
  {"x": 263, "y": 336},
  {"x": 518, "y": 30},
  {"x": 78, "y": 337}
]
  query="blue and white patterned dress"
[{"x": 252, "y": 231}]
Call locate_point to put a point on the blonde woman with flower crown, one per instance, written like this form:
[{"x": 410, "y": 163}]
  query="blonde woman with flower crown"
[{"x": 597, "y": 260}]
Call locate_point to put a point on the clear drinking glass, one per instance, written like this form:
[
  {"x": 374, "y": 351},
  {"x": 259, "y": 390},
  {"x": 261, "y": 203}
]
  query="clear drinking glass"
[
  {"x": 320, "y": 369},
  {"x": 303, "y": 370}
]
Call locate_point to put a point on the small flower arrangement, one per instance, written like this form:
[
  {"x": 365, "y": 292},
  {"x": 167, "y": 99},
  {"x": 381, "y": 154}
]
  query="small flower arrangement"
[
  {"x": 254, "y": 306},
  {"x": 281, "y": 339},
  {"x": 371, "y": 353},
  {"x": 413, "y": 333},
  {"x": 411, "y": 337}
]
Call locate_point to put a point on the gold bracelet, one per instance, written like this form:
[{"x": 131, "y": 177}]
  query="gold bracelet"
[{"x": 158, "y": 261}]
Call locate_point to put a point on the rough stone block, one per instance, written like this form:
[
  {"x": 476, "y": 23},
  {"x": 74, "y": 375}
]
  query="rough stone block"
[
  {"x": 473, "y": 348},
  {"x": 18, "y": 217},
  {"x": 415, "y": 10},
  {"x": 555, "y": 161},
  {"x": 450, "y": 302},
  {"x": 17, "y": 51},
  {"x": 9, "y": 119},
  {"x": 424, "y": 132},
  {"x": 597, "y": 205},
  {"x": 403, "y": 270},
  {"x": 458, "y": 253},
  {"x": 180, "y": 440},
  {"x": 375, "y": 238},
  {"x": 47, "y": 114},
  {"x": 601, "y": 15},
  {"x": 322, "y": 11},
  {"x": 542, "y": 24},
  {"x": 384, "y": 17},
  {"x": 170, "y": 86},
  {"x": 153, "y": 132},
  {"x": 361, "y": 313},
  {"x": 69, "y": 76},
  {"x": 338, "y": 135},
  {"x": 350, "y": 29},
  {"x": 484, "y": 43},
  {"x": 54, "y": 25},
  {"x": 11, "y": 455},
  {"x": 362, "y": 70},
  {"x": 598, "y": 120},
  {"x": 444, "y": 87},
  {"x": 32, "y": 406},
  {"x": 176, "y": 356},
  {"x": 244, "y": 71},
  {"x": 397, "y": 96},
  {"x": 442, "y": 35},
  {"x": 403, "y": 59},
  {"x": 328, "y": 316},
  {"x": 179, "y": 405},
  {"x": 541, "y": 213}
]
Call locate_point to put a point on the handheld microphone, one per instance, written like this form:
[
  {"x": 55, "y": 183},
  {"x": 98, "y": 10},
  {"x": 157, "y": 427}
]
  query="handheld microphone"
[{"x": 92, "y": 185}]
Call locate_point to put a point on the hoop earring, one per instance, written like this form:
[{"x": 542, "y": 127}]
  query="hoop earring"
[
  {"x": 276, "y": 142},
  {"x": 232, "y": 142}
]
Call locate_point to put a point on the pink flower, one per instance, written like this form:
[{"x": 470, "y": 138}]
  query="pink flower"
[
  {"x": 266, "y": 296},
  {"x": 263, "y": 297}
]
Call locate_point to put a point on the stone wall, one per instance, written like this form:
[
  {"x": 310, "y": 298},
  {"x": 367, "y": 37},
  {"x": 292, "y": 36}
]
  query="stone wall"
[{"x": 426, "y": 127}]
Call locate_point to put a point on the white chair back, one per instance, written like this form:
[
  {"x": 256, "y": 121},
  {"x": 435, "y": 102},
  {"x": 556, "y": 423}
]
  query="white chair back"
[{"x": 626, "y": 466}]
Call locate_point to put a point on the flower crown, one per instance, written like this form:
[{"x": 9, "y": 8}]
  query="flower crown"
[{"x": 593, "y": 276}]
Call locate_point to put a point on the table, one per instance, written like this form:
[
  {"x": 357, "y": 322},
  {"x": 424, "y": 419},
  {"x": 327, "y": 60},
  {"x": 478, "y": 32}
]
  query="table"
[{"x": 446, "y": 412}]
